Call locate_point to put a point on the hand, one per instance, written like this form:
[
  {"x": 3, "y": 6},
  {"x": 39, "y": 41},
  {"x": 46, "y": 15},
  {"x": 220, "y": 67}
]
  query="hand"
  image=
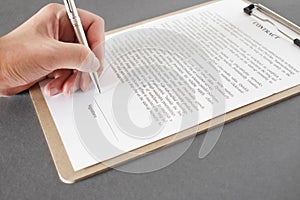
[{"x": 44, "y": 47}]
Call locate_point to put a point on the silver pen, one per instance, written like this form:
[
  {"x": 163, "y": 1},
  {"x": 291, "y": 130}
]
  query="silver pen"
[{"x": 77, "y": 25}]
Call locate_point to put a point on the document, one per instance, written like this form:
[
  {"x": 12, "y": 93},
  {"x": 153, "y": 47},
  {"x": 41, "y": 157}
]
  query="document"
[{"x": 171, "y": 74}]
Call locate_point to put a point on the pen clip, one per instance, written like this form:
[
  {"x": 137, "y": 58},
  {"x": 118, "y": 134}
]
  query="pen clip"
[
  {"x": 69, "y": 7},
  {"x": 72, "y": 11}
]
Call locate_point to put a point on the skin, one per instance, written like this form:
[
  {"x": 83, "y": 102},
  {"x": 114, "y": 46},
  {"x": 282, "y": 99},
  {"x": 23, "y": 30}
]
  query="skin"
[{"x": 45, "y": 47}]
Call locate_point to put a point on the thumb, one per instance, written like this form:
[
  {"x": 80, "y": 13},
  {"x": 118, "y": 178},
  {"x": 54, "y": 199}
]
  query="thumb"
[{"x": 75, "y": 56}]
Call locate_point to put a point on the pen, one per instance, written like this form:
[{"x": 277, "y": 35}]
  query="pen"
[{"x": 77, "y": 25}]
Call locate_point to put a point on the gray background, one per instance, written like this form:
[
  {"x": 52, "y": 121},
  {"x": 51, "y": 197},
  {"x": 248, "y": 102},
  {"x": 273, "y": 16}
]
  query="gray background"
[{"x": 257, "y": 157}]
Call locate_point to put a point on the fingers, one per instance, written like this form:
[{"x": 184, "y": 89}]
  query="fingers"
[
  {"x": 64, "y": 81},
  {"x": 74, "y": 56},
  {"x": 99, "y": 51},
  {"x": 67, "y": 82},
  {"x": 65, "y": 53},
  {"x": 55, "y": 86},
  {"x": 93, "y": 26},
  {"x": 68, "y": 55},
  {"x": 71, "y": 85},
  {"x": 85, "y": 81}
]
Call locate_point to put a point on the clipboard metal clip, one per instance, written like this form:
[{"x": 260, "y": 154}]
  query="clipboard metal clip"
[{"x": 249, "y": 10}]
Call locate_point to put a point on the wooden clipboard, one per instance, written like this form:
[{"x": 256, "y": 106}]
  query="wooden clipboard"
[{"x": 59, "y": 154}]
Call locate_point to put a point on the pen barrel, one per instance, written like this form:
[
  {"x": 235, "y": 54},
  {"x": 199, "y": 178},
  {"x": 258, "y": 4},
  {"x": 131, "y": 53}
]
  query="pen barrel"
[
  {"x": 78, "y": 28},
  {"x": 80, "y": 35}
]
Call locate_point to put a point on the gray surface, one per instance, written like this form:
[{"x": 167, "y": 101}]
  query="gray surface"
[{"x": 257, "y": 157}]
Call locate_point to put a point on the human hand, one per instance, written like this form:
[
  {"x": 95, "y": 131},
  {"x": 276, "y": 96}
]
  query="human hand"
[{"x": 44, "y": 47}]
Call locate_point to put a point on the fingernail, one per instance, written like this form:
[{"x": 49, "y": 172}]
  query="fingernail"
[
  {"x": 53, "y": 91},
  {"x": 73, "y": 89},
  {"x": 85, "y": 86},
  {"x": 47, "y": 92},
  {"x": 90, "y": 64},
  {"x": 68, "y": 93}
]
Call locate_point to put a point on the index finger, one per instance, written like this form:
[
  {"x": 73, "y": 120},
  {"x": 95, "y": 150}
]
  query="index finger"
[{"x": 93, "y": 26}]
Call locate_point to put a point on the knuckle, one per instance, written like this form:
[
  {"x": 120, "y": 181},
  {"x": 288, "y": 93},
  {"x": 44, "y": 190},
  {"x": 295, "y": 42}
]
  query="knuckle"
[
  {"x": 100, "y": 20},
  {"x": 52, "y": 7}
]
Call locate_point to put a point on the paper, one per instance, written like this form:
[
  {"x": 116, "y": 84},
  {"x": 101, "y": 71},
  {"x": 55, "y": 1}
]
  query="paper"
[{"x": 168, "y": 75}]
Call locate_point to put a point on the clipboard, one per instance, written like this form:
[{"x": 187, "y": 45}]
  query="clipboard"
[{"x": 59, "y": 154}]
